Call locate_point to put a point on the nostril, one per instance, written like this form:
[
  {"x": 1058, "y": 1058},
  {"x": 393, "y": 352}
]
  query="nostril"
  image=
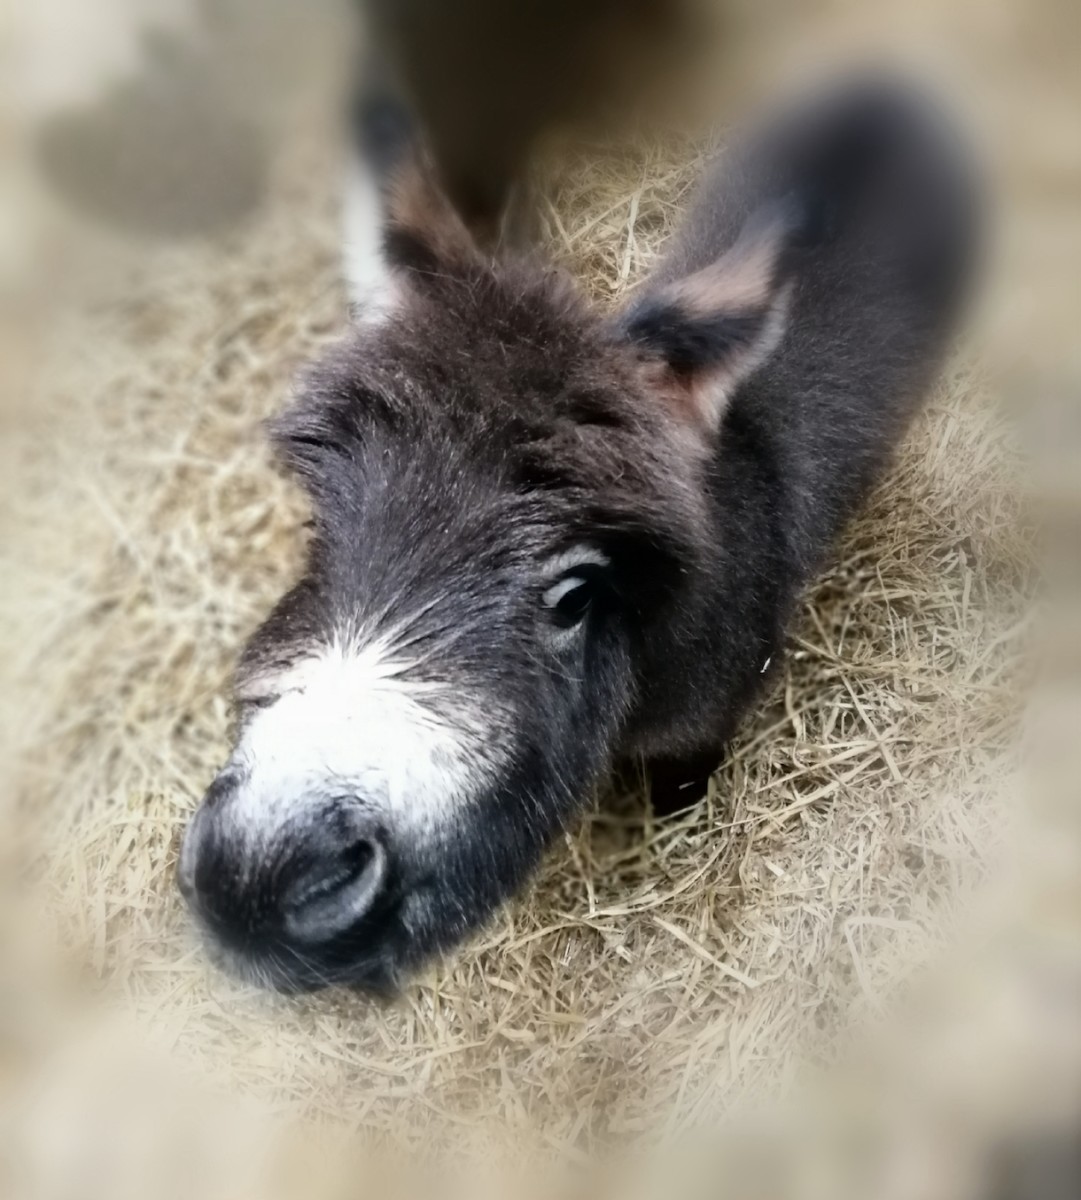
[
  {"x": 327, "y": 879},
  {"x": 336, "y": 892}
]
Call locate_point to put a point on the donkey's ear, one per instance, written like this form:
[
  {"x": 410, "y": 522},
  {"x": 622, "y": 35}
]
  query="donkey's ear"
[
  {"x": 398, "y": 224},
  {"x": 700, "y": 336}
]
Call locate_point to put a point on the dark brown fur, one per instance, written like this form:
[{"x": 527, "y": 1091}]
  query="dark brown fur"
[{"x": 707, "y": 444}]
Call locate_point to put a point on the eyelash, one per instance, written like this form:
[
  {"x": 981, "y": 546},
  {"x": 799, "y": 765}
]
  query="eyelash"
[
  {"x": 570, "y": 597},
  {"x": 560, "y": 600}
]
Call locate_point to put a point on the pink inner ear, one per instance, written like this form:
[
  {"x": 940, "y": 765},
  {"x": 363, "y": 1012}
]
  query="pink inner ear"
[
  {"x": 745, "y": 279},
  {"x": 398, "y": 227},
  {"x": 714, "y": 387},
  {"x": 674, "y": 388},
  {"x": 707, "y": 332},
  {"x": 699, "y": 394},
  {"x": 697, "y": 398},
  {"x": 418, "y": 209}
]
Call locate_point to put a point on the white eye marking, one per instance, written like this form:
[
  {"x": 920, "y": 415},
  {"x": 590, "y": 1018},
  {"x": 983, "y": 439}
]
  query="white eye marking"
[
  {"x": 562, "y": 589},
  {"x": 569, "y": 597},
  {"x": 577, "y": 556}
]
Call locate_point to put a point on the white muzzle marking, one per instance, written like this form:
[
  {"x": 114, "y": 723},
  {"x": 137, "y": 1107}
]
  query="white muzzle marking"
[{"x": 349, "y": 722}]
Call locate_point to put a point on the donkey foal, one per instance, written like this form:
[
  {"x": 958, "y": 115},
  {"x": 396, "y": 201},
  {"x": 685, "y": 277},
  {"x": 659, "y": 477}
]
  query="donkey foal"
[{"x": 548, "y": 539}]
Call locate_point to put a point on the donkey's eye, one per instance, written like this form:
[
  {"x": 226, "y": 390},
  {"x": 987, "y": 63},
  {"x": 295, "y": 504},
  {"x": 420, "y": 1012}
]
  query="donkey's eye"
[
  {"x": 579, "y": 580},
  {"x": 570, "y": 599}
]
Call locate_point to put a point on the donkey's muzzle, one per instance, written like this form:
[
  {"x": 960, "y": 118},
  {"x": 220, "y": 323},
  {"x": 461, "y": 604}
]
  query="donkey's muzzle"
[{"x": 290, "y": 898}]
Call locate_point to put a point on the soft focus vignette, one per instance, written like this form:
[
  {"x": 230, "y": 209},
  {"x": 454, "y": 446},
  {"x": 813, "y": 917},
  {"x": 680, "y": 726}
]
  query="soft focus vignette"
[{"x": 853, "y": 970}]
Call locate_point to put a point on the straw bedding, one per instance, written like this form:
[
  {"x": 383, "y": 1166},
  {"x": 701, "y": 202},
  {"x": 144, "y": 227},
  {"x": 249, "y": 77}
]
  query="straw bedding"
[{"x": 658, "y": 971}]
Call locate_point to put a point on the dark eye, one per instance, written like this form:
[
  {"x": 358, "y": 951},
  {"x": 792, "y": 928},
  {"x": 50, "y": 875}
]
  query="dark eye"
[{"x": 569, "y": 600}]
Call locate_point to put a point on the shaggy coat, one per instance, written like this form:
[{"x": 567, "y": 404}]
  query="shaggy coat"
[{"x": 547, "y": 539}]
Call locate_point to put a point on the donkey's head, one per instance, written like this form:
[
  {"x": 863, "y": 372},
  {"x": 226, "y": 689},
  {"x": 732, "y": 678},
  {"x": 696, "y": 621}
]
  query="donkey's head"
[{"x": 508, "y": 508}]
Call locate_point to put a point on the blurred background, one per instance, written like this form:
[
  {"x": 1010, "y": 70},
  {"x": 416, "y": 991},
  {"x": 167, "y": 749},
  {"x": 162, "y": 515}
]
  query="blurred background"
[{"x": 855, "y": 969}]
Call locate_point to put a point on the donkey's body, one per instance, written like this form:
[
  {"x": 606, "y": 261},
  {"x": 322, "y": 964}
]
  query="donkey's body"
[
  {"x": 806, "y": 435},
  {"x": 546, "y": 539}
]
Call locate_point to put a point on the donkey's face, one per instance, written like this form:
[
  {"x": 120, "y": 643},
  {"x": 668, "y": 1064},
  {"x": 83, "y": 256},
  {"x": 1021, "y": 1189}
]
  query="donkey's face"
[{"x": 507, "y": 501}]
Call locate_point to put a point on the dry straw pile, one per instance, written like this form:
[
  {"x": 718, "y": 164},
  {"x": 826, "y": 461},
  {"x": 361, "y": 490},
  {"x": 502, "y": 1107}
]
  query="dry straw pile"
[{"x": 658, "y": 971}]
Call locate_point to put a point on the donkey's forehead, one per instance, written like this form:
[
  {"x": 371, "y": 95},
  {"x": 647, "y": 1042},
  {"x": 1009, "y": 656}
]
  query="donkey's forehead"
[
  {"x": 459, "y": 424},
  {"x": 485, "y": 414},
  {"x": 477, "y": 339}
]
